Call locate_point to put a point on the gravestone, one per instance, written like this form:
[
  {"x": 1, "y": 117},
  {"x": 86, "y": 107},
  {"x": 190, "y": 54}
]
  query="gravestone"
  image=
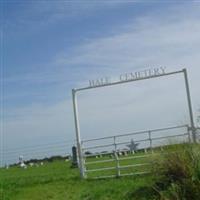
[{"x": 74, "y": 157}]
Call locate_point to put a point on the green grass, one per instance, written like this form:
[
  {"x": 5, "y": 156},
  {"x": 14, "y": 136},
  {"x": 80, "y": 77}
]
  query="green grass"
[
  {"x": 175, "y": 176},
  {"x": 58, "y": 181}
]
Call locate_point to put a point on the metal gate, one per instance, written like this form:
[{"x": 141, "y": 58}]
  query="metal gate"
[
  {"x": 129, "y": 154},
  {"x": 81, "y": 147}
]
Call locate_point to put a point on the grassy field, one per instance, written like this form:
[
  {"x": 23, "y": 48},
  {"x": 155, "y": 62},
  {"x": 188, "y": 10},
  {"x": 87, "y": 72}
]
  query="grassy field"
[
  {"x": 58, "y": 181},
  {"x": 175, "y": 175}
]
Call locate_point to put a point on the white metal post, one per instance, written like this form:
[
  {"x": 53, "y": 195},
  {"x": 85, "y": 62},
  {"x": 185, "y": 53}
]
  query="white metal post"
[
  {"x": 188, "y": 132},
  {"x": 189, "y": 105},
  {"x": 150, "y": 140},
  {"x": 116, "y": 159},
  {"x": 78, "y": 138}
]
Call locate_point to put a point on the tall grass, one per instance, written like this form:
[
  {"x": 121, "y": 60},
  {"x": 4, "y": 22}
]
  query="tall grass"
[{"x": 177, "y": 173}]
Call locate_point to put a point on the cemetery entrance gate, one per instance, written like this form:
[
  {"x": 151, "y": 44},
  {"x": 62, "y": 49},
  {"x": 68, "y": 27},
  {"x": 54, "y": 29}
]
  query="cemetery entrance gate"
[{"x": 115, "y": 158}]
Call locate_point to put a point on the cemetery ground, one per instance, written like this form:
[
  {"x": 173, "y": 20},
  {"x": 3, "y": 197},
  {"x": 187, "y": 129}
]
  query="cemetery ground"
[
  {"x": 58, "y": 181},
  {"x": 174, "y": 175}
]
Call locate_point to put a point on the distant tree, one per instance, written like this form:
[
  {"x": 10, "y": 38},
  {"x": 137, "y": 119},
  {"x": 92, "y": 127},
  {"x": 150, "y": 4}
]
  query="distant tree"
[{"x": 88, "y": 153}]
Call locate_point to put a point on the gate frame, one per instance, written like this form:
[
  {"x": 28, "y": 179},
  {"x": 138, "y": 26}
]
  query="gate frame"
[{"x": 76, "y": 116}]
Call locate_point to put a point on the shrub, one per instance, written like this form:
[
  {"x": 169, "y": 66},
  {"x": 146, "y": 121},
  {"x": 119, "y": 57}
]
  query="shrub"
[{"x": 178, "y": 173}]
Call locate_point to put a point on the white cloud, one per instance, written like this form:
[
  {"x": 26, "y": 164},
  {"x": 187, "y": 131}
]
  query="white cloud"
[{"x": 149, "y": 43}]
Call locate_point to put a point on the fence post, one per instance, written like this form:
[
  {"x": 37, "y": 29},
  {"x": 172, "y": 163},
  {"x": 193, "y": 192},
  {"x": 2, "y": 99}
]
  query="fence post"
[
  {"x": 190, "y": 106},
  {"x": 116, "y": 158},
  {"x": 78, "y": 137},
  {"x": 117, "y": 164},
  {"x": 188, "y": 131},
  {"x": 198, "y": 134},
  {"x": 115, "y": 145},
  {"x": 150, "y": 140}
]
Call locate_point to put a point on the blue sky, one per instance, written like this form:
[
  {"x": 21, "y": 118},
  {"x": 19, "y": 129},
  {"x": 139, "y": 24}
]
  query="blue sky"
[
  {"x": 37, "y": 33},
  {"x": 50, "y": 47}
]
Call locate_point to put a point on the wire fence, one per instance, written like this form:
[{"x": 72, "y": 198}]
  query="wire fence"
[{"x": 41, "y": 151}]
